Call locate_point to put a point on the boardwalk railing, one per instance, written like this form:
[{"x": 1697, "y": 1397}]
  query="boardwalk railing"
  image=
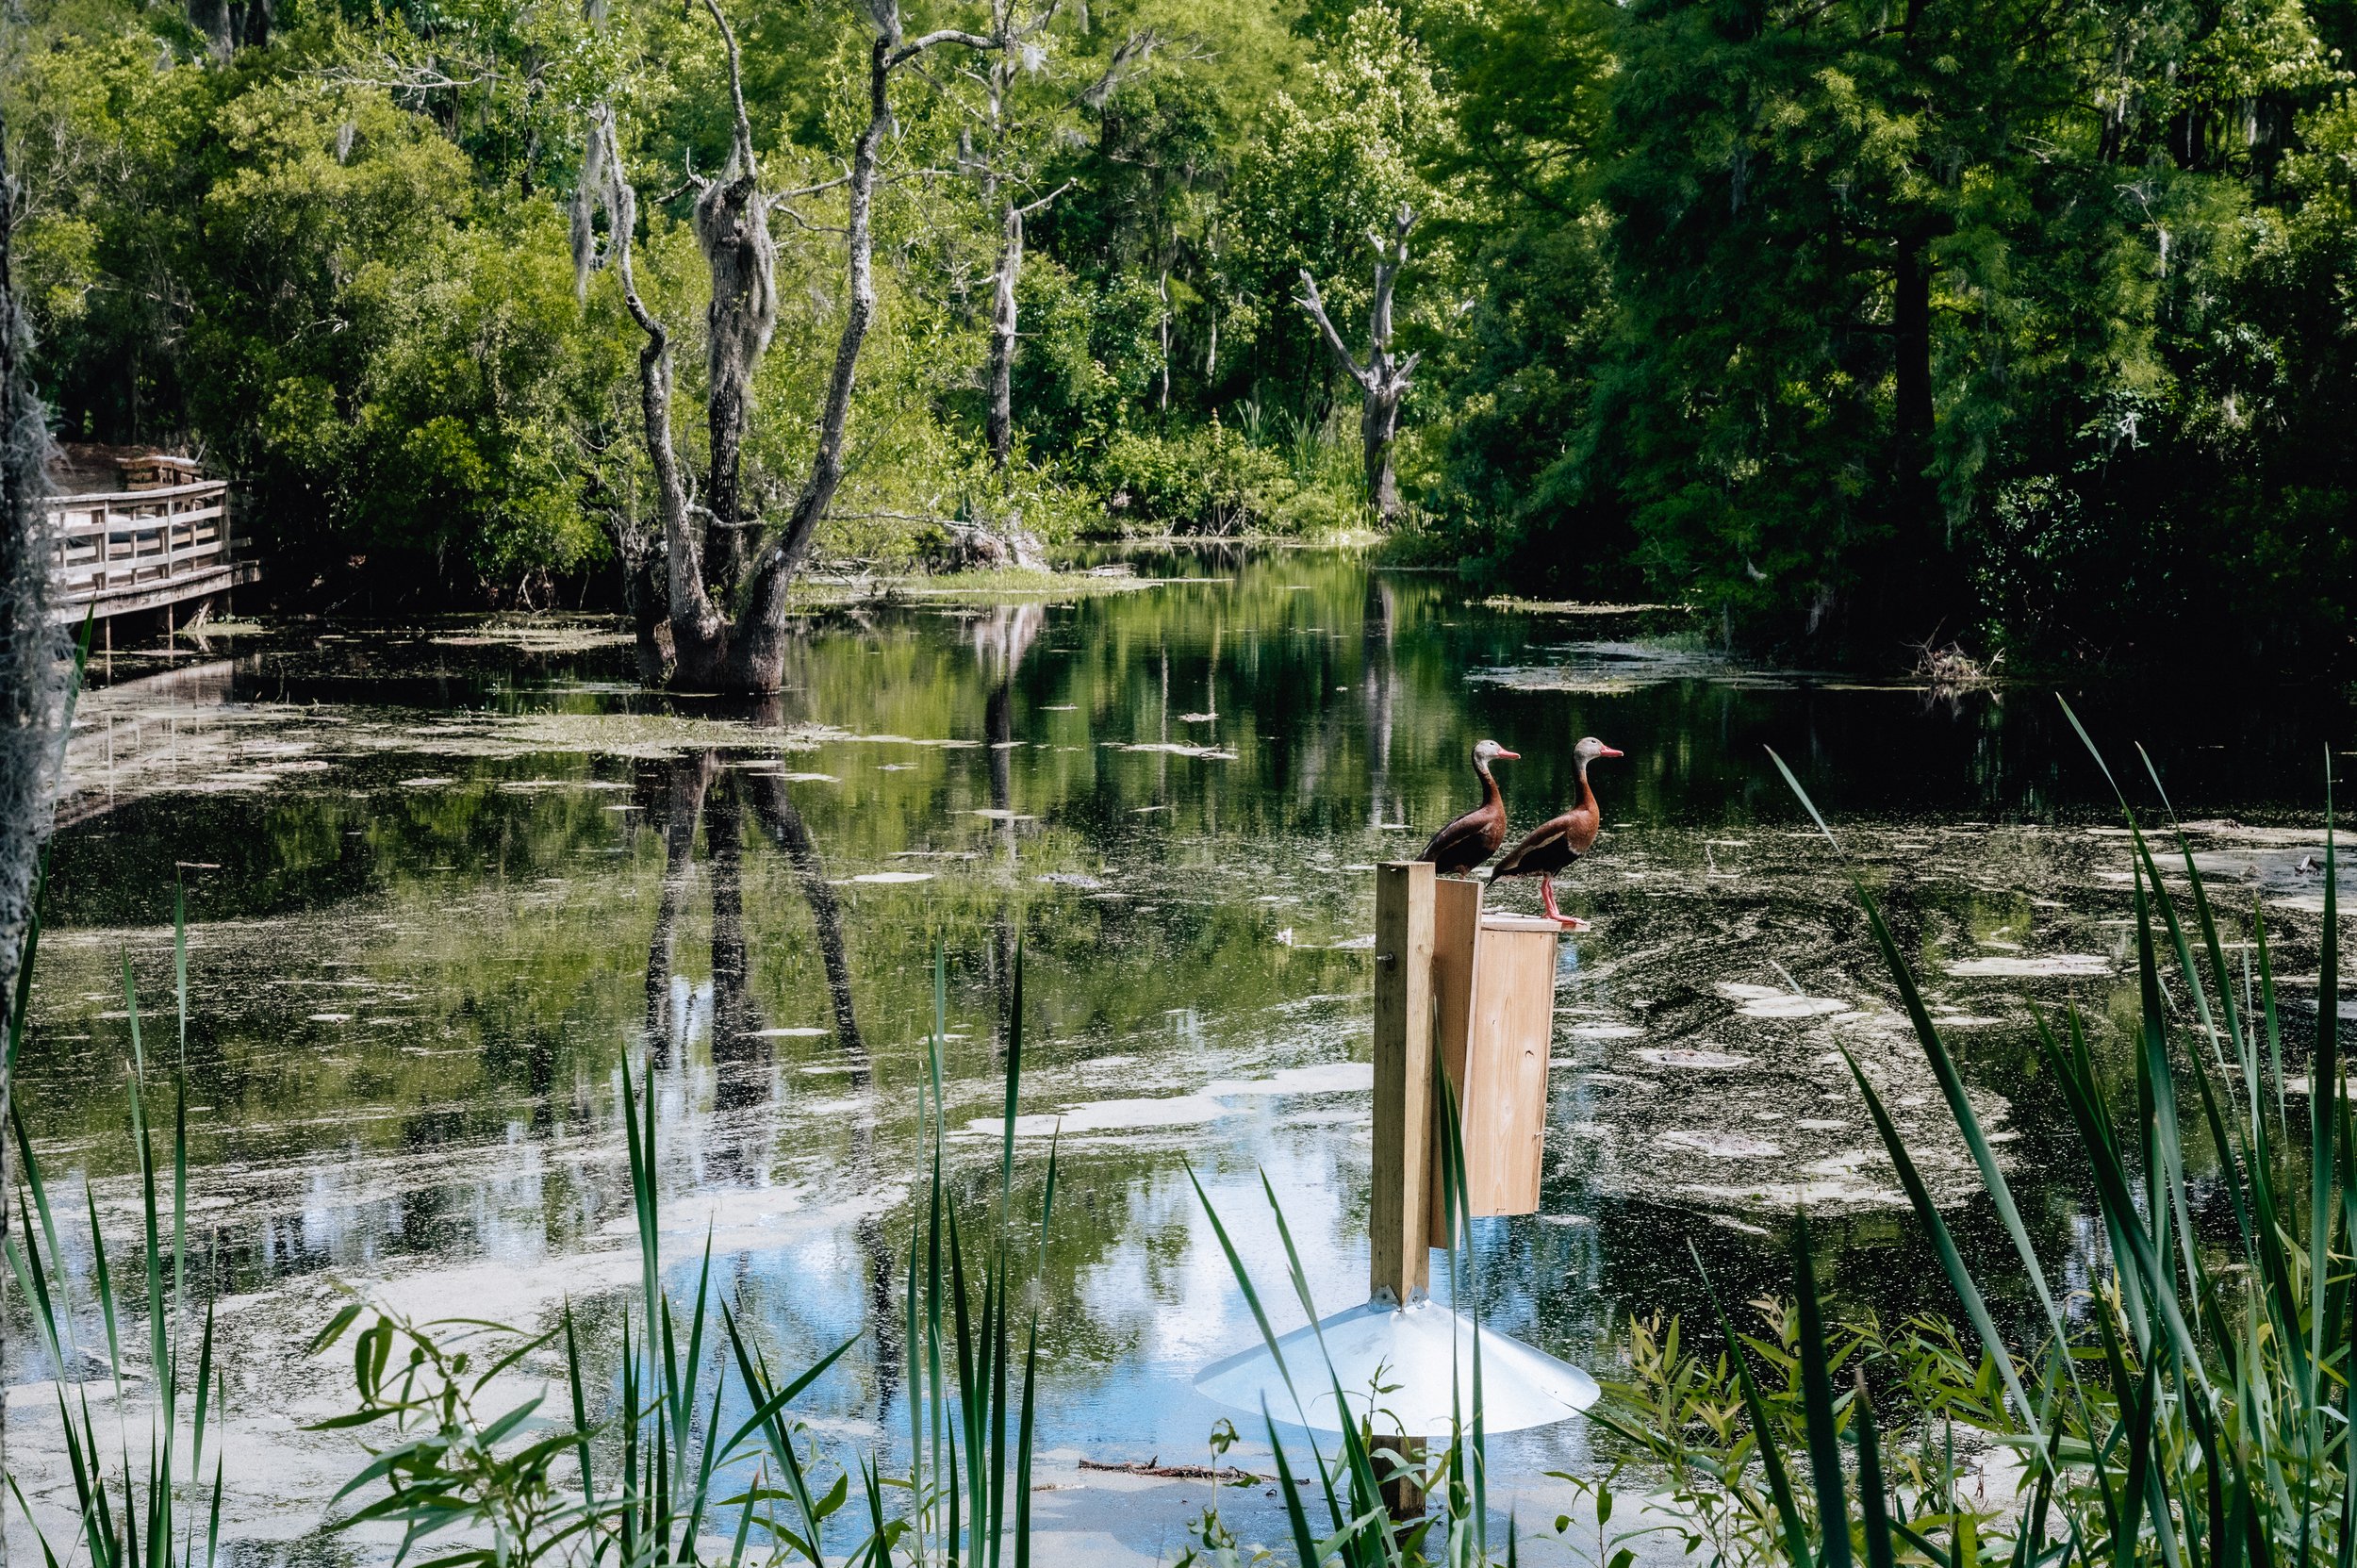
[{"x": 141, "y": 550}]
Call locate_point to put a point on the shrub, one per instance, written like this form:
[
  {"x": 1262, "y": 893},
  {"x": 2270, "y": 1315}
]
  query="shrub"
[{"x": 1211, "y": 480}]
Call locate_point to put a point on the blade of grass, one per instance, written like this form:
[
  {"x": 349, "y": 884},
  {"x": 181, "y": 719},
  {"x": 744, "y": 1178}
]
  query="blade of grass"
[
  {"x": 1824, "y": 1442},
  {"x": 1764, "y": 1440},
  {"x": 1944, "y": 1068}
]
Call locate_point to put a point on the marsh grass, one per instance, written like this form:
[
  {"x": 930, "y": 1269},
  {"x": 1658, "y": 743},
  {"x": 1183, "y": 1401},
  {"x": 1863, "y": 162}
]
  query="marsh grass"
[
  {"x": 127, "y": 1510},
  {"x": 498, "y": 1478},
  {"x": 2194, "y": 1407}
]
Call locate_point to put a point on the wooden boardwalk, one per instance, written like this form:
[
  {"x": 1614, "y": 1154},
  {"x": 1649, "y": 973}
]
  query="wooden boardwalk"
[{"x": 124, "y": 551}]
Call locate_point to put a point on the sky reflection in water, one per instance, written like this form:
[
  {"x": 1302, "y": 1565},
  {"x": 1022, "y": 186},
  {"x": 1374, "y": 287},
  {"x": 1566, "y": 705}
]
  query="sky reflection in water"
[{"x": 440, "y": 883}]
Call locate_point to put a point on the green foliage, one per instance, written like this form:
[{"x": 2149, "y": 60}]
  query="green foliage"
[
  {"x": 1211, "y": 480},
  {"x": 1839, "y": 322}
]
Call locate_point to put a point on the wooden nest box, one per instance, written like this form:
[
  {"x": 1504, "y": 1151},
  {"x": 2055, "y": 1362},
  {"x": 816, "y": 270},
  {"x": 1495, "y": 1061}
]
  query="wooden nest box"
[
  {"x": 1493, "y": 994},
  {"x": 1476, "y": 992}
]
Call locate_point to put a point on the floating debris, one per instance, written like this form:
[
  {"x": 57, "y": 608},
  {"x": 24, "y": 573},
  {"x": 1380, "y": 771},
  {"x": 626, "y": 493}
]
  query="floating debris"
[
  {"x": 1706, "y": 1060},
  {"x": 1767, "y": 1001},
  {"x": 1228, "y": 1475},
  {"x": 1722, "y": 1145},
  {"x": 2074, "y": 965}
]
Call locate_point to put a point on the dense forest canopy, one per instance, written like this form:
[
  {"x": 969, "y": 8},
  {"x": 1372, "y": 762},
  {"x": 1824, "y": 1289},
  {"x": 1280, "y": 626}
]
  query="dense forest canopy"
[{"x": 1849, "y": 323}]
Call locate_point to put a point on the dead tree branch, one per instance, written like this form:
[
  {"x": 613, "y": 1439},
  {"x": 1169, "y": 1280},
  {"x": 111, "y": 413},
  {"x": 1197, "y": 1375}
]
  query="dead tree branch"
[{"x": 1383, "y": 381}]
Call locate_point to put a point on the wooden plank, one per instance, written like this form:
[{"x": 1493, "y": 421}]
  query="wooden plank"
[
  {"x": 131, "y": 598},
  {"x": 143, "y": 498},
  {"x": 1398, "y": 1262},
  {"x": 1508, "y": 1039},
  {"x": 1455, "y": 932}
]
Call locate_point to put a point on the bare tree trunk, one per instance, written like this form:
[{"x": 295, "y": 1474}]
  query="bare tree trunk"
[
  {"x": 755, "y": 659},
  {"x": 742, "y": 258},
  {"x": 1383, "y": 381},
  {"x": 999, "y": 422},
  {"x": 1008, "y": 35},
  {"x": 711, "y": 651},
  {"x": 731, "y": 222},
  {"x": 1162, "y": 333},
  {"x": 758, "y": 656},
  {"x": 696, "y": 627},
  {"x": 1378, "y": 423}
]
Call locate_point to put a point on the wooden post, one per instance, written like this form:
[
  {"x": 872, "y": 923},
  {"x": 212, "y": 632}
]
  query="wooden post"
[
  {"x": 1397, "y": 1209},
  {"x": 1455, "y": 938},
  {"x": 1399, "y": 1471}
]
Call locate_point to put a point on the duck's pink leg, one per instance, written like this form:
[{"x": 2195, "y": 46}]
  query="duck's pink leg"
[{"x": 1546, "y": 895}]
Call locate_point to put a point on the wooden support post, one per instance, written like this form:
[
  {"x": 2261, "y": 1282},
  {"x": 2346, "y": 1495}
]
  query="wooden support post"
[
  {"x": 1398, "y": 1206},
  {"x": 1399, "y": 1471}
]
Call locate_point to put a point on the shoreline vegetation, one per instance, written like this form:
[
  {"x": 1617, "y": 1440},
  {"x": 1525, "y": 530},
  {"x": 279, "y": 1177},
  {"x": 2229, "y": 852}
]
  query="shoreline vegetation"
[{"x": 2019, "y": 331}]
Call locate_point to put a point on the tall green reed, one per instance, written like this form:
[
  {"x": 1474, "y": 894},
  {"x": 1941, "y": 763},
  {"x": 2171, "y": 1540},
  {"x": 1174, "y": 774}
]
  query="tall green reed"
[
  {"x": 1358, "y": 1528},
  {"x": 2194, "y": 1410},
  {"x": 125, "y": 1512},
  {"x": 646, "y": 1482}
]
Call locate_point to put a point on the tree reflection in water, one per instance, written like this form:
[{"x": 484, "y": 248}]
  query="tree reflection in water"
[
  {"x": 712, "y": 789},
  {"x": 1001, "y": 638}
]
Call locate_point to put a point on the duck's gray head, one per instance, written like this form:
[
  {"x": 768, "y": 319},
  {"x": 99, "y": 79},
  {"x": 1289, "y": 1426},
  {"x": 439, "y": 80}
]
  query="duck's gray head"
[
  {"x": 1589, "y": 749},
  {"x": 1487, "y": 751}
]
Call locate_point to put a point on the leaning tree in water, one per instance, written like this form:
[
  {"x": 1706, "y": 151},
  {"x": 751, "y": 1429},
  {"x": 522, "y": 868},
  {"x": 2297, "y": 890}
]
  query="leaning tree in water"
[{"x": 712, "y": 608}]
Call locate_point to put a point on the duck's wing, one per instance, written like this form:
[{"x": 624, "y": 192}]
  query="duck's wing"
[
  {"x": 1460, "y": 841},
  {"x": 1542, "y": 842}
]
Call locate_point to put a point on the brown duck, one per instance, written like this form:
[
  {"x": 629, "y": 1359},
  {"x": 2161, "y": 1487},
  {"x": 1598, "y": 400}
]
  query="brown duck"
[
  {"x": 1550, "y": 846},
  {"x": 1474, "y": 836}
]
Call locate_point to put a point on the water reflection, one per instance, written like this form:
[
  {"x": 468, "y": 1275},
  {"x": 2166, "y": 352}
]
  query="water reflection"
[{"x": 443, "y": 880}]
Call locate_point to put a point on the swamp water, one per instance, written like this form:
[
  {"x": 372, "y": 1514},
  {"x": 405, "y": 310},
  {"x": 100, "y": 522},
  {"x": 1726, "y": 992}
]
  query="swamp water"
[{"x": 439, "y": 882}]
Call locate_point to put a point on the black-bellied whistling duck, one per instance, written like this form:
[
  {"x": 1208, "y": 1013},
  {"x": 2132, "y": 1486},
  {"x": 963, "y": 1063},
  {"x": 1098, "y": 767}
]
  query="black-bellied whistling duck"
[
  {"x": 1474, "y": 836},
  {"x": 1550, "y": 846}
]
